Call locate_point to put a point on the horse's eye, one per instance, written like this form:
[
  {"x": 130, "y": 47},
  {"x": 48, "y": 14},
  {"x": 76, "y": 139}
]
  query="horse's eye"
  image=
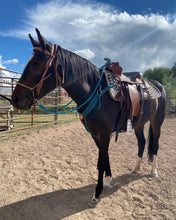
[{"x": 47, "y": 56}]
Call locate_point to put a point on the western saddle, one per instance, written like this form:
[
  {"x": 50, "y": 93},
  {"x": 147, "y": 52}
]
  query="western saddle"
[{"x": 131, "y": 88}]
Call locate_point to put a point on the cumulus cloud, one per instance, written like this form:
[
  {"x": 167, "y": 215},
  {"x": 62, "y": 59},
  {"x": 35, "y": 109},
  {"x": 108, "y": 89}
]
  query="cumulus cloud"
[
  {"x": 1, "y": 66},
  {"x": 7, "y": 62},
  {"x": 13, "y": 61},
  {"x": 86, "y": 53},
  {"x": 137, "y": 41},
  {"x": 2, "y": 72}
]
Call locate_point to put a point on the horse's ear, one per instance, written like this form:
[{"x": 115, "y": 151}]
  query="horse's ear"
[
  {"x": 41, "y": 38},
  {"x": 34, "y": 42},
  {"x": 43, "y": 42}
]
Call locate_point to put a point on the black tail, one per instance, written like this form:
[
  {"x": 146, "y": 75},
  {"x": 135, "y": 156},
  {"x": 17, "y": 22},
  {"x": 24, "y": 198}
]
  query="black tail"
[{"x": 150, "y": 144}]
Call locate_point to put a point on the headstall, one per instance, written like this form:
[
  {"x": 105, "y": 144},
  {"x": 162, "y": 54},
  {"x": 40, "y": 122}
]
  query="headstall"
[{"x": 49, "y": 63}]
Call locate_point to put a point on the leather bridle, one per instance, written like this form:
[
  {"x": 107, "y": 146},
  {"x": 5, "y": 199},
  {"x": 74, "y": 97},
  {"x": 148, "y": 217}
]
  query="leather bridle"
[{"x": 49, "y": 63}]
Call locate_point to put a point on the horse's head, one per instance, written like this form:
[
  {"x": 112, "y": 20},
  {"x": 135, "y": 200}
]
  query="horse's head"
[{"x": 38, "y": 77}]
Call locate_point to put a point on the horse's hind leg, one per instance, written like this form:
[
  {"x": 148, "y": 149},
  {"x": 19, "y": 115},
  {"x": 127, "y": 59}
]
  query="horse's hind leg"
[
  {"x": 155, "y": 129},
  {"x": 154, "y": 135},
  {"x": 139, "y": 132},
  {"x": 153, "y": 146}
]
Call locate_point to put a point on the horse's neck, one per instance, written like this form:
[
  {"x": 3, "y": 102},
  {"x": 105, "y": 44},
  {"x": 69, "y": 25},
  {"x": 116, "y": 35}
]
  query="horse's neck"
[
  {"x": 79, "y": 90},
  {"x": 80, "y": 86},
  {"x": 77, "y": 93}
]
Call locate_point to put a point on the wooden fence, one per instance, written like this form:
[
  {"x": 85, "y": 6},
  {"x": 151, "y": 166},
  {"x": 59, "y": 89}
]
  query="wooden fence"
[
  {"x": 14, "y": 120},
  {"x": 171, "y": 102}
]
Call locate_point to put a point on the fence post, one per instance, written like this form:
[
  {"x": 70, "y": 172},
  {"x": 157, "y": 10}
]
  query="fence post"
[
  {"x": 12, "y": 81},
  {"x": 56, "y": 106},
  {"x": 32, "y": 114}
]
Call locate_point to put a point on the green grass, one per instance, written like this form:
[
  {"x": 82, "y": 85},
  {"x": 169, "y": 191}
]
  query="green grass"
[
  {"x": 20, "y": 120},
  {"x": 38, "y": 119},
  {"x": 62, "y": 119}
]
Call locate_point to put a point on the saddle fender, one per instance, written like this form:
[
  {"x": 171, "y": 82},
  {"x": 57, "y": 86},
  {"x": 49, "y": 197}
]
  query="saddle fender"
[{"x": 135, "y": 100}]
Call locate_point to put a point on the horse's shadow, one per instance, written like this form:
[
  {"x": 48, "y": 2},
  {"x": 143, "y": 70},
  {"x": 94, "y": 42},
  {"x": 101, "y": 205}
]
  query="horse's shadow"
[{"x": 62, "y": 203}]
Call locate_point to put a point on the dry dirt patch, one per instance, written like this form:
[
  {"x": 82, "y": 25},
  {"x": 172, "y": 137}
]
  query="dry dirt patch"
[{"x": 51, "y": 174}]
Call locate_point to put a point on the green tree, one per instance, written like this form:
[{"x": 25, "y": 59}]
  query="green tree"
[
  {"x": 169, "y": 82},
  {"x": 173, "y": 70},
  {"x": 157, "y": 74}
]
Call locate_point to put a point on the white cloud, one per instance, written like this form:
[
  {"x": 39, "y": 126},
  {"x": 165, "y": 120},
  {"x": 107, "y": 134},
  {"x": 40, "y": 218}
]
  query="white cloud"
[
  {"x": 86, "y": 53},
  {"x": 13, "y": 61},
  {"x": 136, "y": 41},
  {"x": 2, "y": 72},
  {"x": 1, "y": 66},
  {"x": 5, "y": 72}
]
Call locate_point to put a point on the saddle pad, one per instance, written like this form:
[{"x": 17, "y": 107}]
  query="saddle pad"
[
  {"x": 148, "y": 88},
  {"x": 154, "y": 92},
  {"x": 115, "y": 90}
]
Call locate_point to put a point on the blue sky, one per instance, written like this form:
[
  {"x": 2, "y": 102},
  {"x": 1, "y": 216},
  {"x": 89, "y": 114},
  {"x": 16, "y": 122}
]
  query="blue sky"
[{"x": 140, "y": 34}]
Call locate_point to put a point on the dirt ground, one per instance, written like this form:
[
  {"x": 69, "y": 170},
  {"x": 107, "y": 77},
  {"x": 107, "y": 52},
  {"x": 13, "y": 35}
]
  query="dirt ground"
[{"x": 50, "y": 174}]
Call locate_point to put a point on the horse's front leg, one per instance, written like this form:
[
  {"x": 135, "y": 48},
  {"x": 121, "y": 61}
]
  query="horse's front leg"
[
  {"x": 103, "y": 165},
  {"x": 108, "y": 175}
]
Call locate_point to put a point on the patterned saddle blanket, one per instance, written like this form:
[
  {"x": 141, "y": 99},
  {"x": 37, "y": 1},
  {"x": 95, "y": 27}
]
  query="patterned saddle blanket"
[
  {"x": 131, "y": 78},
  {"x": 130, "y": 87}
]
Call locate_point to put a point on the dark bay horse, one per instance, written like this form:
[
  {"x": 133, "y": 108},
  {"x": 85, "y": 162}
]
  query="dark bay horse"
[{"x": 51, "y": 65}]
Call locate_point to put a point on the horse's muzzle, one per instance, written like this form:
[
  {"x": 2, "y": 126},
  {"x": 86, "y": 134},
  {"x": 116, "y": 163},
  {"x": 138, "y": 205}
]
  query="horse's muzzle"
[{"x": 19, "y": 104}]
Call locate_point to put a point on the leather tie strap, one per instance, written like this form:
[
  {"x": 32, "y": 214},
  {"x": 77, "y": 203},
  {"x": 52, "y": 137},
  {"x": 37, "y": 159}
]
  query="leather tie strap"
[{"x": 40, "y": 84}]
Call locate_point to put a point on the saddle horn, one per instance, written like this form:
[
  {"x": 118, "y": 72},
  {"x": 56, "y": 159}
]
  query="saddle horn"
[{"x": 107, "y": 59}]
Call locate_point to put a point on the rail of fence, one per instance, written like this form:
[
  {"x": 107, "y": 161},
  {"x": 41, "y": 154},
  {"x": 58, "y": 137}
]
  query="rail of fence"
[
  {"x": 11, "y": 121},
  {"x": 14, "y": 120},
  {"x": 19, "y": 120}
]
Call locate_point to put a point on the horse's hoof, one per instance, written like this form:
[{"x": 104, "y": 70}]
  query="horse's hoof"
[
  {"x": 107, "y": 182},
  {"x": 94, "y": 199},
  {"x": 94, "y": 202},
  {"x": 138, "y": 165},
  {"x": 134, "y": 171},
  {"x": 155, "y": 174}
]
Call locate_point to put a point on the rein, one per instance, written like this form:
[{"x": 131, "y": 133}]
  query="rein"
[{"x": 93, "y": 99}]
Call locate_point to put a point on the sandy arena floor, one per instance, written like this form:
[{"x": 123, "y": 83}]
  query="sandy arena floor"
[{"x": 50, "y": 174}]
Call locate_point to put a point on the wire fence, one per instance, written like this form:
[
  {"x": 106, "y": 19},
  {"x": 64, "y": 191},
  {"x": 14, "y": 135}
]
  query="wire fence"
[{"x": 171, "y": 102}]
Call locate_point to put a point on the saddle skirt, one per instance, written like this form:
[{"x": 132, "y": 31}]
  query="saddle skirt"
[{"x": 130, "y": 87}]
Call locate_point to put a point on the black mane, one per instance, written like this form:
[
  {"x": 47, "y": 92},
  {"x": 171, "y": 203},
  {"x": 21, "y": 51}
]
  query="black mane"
[{"x": 80, "y": 68}]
